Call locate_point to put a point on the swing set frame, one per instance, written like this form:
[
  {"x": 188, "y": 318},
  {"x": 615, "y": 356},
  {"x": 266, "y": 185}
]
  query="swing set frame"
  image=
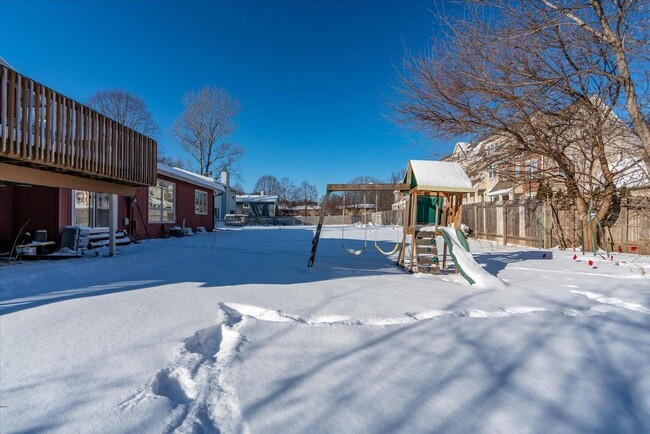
[
  {"x": 441, "y": 179},
  {"x": 331, "y": 188}
]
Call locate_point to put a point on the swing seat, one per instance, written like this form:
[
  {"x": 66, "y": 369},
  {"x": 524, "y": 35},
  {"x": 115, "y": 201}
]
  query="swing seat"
[
  {"x": 387, "y": 253},
  {"x": 354, "y": 252}
]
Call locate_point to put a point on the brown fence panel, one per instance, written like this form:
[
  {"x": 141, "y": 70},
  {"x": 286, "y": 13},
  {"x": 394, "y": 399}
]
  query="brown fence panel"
[{"x": 536, "y": 224}]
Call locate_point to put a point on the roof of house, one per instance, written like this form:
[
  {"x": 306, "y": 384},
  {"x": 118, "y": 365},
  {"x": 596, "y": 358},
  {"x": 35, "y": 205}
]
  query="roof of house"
[
  {"x": 256, "y": 198},
  {"x": 442, "y": 176},
  {"x": 500, "y": 188},
  {"x": 191, "y": 177}
]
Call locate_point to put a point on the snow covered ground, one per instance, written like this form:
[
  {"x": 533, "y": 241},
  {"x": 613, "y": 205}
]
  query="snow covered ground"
[{"x": 230, "y": 332}]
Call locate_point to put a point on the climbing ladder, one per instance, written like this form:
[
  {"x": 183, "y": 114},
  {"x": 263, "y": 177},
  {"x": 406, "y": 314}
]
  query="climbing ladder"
[{"x": 426, "y": 252}]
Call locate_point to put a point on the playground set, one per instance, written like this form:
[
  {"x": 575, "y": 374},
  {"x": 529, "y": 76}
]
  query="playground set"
[{"x": 434, "y": 191}]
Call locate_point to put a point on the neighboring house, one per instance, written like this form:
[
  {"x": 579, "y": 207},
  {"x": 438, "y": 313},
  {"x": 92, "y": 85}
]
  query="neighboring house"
[
  {"x": 227, "y": 203},
  {"x": 359, "y": 209},
  {"x": 51, "y": 144},
  {"x": 257, "y": 205},
  {"x": 496, "y": 179},
  {"x": 299, "y": 210}
]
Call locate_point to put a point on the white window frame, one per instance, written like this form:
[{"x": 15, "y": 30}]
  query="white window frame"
[
  {"x": 245, "y": 205},
  {"x": 531, "y": 167},
  {"x": 492, "y": 171},
  {"x": 93, "y": 207},
  {"x": 200, "y": 208},
  {"x": 161, "y": 208}
]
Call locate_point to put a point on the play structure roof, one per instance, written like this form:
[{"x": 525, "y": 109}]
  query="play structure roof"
[{"x": 442, "y": 176}]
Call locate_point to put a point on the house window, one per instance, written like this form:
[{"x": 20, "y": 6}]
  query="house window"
[
  {"x": 492, "y": 171},
  {"x": 517, "y": 170},
  {"x": 506, "y": 173},
  {"x": 162, "y": 202},
  {"x": 90, "y": 208},
  {"x": 531, "y": 168},
  {"x": 200, "y": 202},
  {"x": 246, "y": 205}
]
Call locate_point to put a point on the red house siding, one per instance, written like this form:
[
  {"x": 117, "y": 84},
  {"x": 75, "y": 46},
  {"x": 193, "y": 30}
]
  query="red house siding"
[
  {"x": 184, "y": 210},
  {"x": 39, "y": 208},
  {"x": 51, "y": 209},
  {"x": 6, "y": 215}
]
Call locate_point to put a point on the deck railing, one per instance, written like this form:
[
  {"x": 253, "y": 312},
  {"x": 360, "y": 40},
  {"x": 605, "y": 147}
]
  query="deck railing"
[{"x": 42, "y": 128}]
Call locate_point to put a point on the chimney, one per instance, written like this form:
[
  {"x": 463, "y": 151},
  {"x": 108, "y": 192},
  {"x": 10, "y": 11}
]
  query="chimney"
[
  {"x": 225, "y": 178},
  {"x": 262, "y": 193}
]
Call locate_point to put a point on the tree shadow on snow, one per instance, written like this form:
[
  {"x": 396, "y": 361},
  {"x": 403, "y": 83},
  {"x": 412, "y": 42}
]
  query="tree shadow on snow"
[
  {"x": 542, "y": 373},
  {"x": 498, "y": 261}
]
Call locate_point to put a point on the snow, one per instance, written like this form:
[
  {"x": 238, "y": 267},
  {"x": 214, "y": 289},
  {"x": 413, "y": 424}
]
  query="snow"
[
  {"x": 481, "y": 278},
  {"x": 229, "y": 331},
  {"x": 500, "y": 192},
  {"x": 191, "y": 177},
  {"x": 262, "y": 198},
  {"x": 440, "y": 176}
]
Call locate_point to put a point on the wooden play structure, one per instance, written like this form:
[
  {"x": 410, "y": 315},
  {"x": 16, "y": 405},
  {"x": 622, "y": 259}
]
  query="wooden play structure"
[
  {"x": 434, "y": 191},
  {"x": 435, "y": 196}
]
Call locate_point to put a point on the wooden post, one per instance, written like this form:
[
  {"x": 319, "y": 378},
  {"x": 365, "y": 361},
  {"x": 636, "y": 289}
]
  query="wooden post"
[
  {"x": 414, "y": 205},
  {"x": 314, "y": 242},
  {"x": 505, "y": 222},
  {"x": 406, "y": 216},
  {"x": 437, "y": 212},
  {"x": 444, "y": 254},
  {"x": 112, "y": 224}
]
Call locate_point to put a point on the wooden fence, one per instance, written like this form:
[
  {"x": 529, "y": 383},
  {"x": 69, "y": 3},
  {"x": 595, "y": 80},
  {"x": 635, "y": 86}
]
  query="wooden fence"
[
  {"x": 535, "y": 223},
  {"x": 44, "y": 129}
]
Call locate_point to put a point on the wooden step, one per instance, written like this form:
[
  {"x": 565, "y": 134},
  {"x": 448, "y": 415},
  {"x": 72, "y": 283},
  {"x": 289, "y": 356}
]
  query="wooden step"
[{"x": 428, "y": 269}]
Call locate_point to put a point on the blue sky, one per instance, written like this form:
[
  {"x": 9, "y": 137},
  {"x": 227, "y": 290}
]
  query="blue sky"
[{"x": 312, "y": 77}]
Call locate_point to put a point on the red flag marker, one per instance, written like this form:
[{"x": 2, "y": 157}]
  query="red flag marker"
[
  {"x": 575, "y": 257},
  {"x": 634, "y": 248},
  {"x": 591, "y": 263}
]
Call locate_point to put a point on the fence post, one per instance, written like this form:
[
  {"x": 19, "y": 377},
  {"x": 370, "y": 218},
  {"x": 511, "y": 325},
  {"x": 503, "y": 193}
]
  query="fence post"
[
  {"x": 548, "y": 224},
  {"x": 505, "y": 223}
]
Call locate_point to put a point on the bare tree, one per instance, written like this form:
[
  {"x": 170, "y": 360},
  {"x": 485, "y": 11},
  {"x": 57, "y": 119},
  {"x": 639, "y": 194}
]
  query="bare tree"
[
  {"x": 523, "y": 86},
  {"x": 397, "y": 176},
  {"x": 237, "y": 188},
  {"x": 125, "y": 108},
  {"x": 170, "y": 161},
  {"x": 204, "y": 127},
  {"x": 621, "y": 25},
  {"x": 287, "y": 192},
  {"x": 306, "y": 194},
  {"x": 269, "y": 184}
]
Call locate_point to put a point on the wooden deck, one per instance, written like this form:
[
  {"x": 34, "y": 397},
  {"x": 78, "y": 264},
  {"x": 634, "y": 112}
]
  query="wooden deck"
[{"x": 44, "y": 130}]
